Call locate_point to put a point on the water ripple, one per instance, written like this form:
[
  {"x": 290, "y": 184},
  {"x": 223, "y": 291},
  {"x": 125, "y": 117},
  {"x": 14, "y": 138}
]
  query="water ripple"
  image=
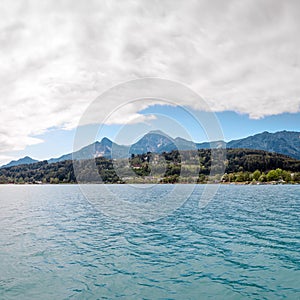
[{"x": 243, "y": 245}]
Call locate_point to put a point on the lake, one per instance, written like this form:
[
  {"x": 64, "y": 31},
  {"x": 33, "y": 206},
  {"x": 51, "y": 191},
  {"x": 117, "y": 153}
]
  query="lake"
[{"x": 56, "y": 244}]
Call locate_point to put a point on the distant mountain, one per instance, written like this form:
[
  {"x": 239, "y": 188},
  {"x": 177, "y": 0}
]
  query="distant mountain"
[
  {"x": 22, "y": 161},
  {"x": 159, "y": 142},
  {"x": 183, "y": 144},
  {"x": 213, "y": 144},
  {"x": 61, "y": 158},
  {"x": 283, "y": 142},
  {"x": 155, "y": 142},
  {"x": 106, "y": 148}
]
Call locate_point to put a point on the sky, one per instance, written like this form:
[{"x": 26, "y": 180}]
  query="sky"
[{"x": 56, "y": 57}]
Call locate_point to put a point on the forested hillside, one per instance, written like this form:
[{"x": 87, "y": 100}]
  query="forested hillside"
[{"x": 169, "y": 167}]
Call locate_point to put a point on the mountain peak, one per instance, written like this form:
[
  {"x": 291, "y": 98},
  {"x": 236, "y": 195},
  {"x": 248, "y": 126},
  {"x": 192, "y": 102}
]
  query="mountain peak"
[
  {"x": 22, "y": 161},
  {"x": 265, "y": 132},
  {"x": 154, "y": 141},
  {"x": 105, "y": 140},
  {"x": 158, "y": 132}
]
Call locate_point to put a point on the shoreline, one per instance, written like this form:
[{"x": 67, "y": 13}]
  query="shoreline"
[{"x": 155, "y": 183}]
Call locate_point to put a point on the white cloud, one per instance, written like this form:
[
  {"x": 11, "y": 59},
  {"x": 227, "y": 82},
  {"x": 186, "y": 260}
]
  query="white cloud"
[
  {"x": 4, "y": 159},
  {"x": 56, "y": 57}
]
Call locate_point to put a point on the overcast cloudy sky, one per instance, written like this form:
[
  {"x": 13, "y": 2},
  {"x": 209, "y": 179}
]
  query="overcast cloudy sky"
[{"x": 57, "y": 56}]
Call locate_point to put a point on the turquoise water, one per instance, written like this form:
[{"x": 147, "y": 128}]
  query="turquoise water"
[{"x": 244, "y": 244}]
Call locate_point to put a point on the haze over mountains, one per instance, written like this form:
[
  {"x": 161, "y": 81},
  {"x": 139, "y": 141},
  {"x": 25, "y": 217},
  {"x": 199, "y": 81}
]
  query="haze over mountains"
[{"x": 283, "y": 142}]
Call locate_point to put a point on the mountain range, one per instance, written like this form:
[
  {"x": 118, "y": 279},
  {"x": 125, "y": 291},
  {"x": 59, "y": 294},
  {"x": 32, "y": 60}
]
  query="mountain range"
[
  {"x": 282, "y": 142},
  {"x": 22, "y": 161}
]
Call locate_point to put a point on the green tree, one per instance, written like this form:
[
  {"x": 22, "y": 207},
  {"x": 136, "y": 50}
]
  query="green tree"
[
  {"x": 262, "y": 177},
  {"x": 286, "y": 176},
  {"x": 54, "y": 180},
  {"x": 273, "y": 175},
  {"x": 256, "y": 174}
]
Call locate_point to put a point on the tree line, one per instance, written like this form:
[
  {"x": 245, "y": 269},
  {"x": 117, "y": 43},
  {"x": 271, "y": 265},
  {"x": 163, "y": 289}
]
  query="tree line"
[{"x": 233, "y": 165}]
